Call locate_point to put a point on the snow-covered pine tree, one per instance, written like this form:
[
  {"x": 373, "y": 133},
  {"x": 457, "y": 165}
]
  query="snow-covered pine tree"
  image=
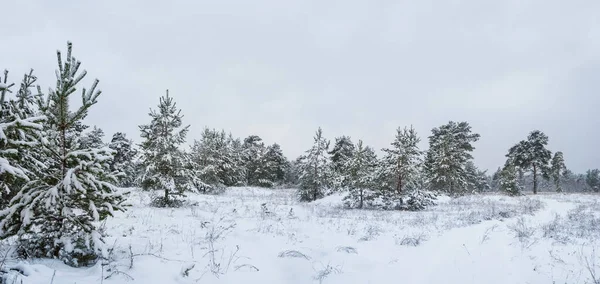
[
  {"x": 342, "y": 151},
  {"x": 558, "y": 169},
  {"x": 124, "y": 159},
  {"x": 207, "y": 155},
  {"x": 477, "y": 180},
  {"x": 315, "y": 171},
  {"x": 93, "y": 138},
  {"x": 235, "y": 172},
  {"x": 592, "y": 179},
  {"x": 274, "y": 166},
  {"x": 400, "y": 165},
  {"x": 21, "y": 133},
  {"x": 532, "y": 155},
  {"x": 508, "y": 179},
  {"x": 59, "y": 213},
  {"x": 450, "y": 148},
  {"x": 165, "y": 165},
  {"x": 253, "y": 151},
  {"x": 360, "y": 175},
  {"x": 218, "y": 160},
  {"x": 292, "y": 172}
]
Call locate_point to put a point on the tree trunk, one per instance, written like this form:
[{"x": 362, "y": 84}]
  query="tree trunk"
[
  {"x": 534, "y": 179},
  {"x": 360, "y": 202},
  {"x": 399, "y": 185},
  {"x": 166, "y": 196}
]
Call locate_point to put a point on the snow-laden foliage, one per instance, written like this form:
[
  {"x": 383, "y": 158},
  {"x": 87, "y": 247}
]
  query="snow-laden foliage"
[
  {"x": 416, "y": 200},
  {"x": 273, "y": 166},
  {"x": 557, "y": 169},
  {"x": 341, "y": 152},
  {"x": 359, "y": 175},
  {"x": 532, "y": 155},
  {"x": 477, "y": 180},
  {"x": 508, "y": 179},
  {"x": 292, "y": 173},
  {"x": 592, "y": 179},
  {"x": 20, "y": 137},
  {"x": 218, "y": 160},
  {"x": 58, "y": 214},
  {"x": 123, "y": 163},
  {"x": 253, "y": 151},
  {"x": 315, "y": 171},
  {"x": 166, "y": 167},
  {"x": 400, "y": 165},
  {"x": 450, "y": 148},
  {"x": 93, "y": 138}
]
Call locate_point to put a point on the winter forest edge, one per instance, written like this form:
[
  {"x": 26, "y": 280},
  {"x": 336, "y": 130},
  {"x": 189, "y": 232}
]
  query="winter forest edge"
[{"x": 61, "y": 180}]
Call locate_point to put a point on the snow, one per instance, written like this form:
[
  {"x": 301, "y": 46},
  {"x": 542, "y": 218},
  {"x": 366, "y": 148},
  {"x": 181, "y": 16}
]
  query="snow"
[{"x": 253, "y": 235}]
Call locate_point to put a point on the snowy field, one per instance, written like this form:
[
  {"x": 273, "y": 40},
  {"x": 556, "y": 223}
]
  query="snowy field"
[{"x": 250, "y": 235}]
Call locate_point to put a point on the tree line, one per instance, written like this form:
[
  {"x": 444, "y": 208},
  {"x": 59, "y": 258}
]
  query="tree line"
[{"x": 59, "y": 180}]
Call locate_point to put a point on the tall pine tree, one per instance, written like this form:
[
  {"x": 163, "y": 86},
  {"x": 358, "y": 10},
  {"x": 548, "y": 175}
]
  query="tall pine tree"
[
  {"x": 59, "y": 213},
  {"x": 253, "y": 151},
  {"x": 558, "y": 169},
  {"x": 165, "y": 165},
  {"x": 274, "y": 166},
  {"x": 342, "y": 151},
  {"x": 532, "y": 155},
  {"x": 315, "y": 171},
  {"x": 400, "y": 164},
  {"x": 450, "y": 148},
  {"x": 360, "y": 171}
]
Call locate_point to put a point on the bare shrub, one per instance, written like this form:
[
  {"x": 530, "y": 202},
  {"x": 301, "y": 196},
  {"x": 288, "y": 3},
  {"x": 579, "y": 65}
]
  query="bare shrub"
[
  {"x": 523, "y": 232},
  {"x": 370, "y": 233},
  {"x": 412, "y": 240},
  {"x": 581, "y": 222},
  {"x": 347, "y": 250},
  {"x": 530, "y": 206},
  {"x": 486, "y": 234},
  {"x": 589, "y": 261},
  {"x": 325, "y": 272},
  {"x": 218, "y": 262},
  {"x": 293, "y": 254}
]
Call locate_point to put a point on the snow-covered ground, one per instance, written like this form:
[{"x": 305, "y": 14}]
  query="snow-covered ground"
[{"x": 250, "y": 235}]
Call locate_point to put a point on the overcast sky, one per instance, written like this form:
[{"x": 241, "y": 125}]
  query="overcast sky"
[{"x": 280, "y": 69}]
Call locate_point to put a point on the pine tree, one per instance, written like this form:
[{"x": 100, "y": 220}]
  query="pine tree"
[
  {"x": 93, "y": 139},
  {"x": 59, "y": 213},
  {"x": 274, "y": 165},
  {"x": 450, "y": 148},
  {"x": 558, "y": 169},
  {"x": 509, "y": 179},
  {"x": 218, "y": 160},
  {"x": 124, "y": 159},
  {"x": 253, "y": 151},
  {"x": 20, "y": 138},
  {"x": 342, "y": 151},
  {"x": 235, "y": 173},
  {"x": 360, "y": 171},
  {"x": 400, "y": 164},
  {"x": 592, "y": 179},
  {"x": 477, "y": 180},
  {"x": 315, "y": 171},
  {"x": 208, "y": 156},
  {"x": 292, "y": 173},
  {"x": 532, "y": 155},
  {"x": 165, "y": 165}
]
